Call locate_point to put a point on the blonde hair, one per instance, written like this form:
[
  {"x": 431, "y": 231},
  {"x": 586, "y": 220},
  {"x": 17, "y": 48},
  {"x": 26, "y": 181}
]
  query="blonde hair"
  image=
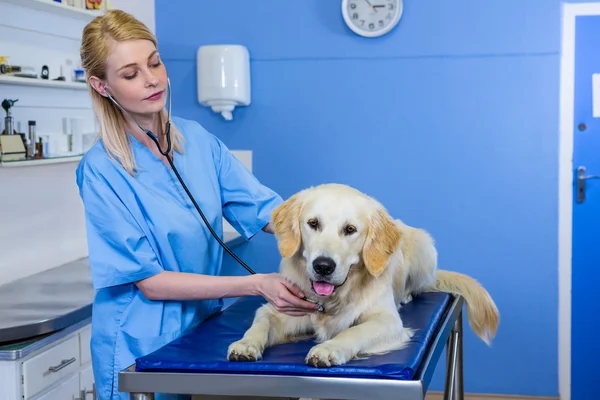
[{"x": 115, "y": 25}]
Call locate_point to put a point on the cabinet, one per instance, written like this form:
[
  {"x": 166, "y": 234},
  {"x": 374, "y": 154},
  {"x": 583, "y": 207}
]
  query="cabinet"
[
  {"x": 56, "y": 364},
  {"x": 55, "y": 367}
]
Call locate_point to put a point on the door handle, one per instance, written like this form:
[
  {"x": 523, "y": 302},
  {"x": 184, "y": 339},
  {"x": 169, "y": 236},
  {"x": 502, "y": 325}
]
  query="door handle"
[{"x": 581, "y": 178}]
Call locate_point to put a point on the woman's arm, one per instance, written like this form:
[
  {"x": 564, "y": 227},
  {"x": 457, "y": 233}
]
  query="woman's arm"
[
  {"x": 247, "y": 203},
  {"x": 170, "y": 285},
  {"x": 283, "y": 295}
]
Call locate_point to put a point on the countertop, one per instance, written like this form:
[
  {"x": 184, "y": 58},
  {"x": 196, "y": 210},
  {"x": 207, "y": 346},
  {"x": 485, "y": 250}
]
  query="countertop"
[{"x": 35, "y": 307}]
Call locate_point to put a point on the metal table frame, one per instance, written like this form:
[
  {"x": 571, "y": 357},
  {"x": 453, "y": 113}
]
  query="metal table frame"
[{"x": 143, "y": 385}]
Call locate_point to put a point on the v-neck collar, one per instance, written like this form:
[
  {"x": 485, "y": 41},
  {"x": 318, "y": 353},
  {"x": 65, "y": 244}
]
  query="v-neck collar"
[
  {"x": 149, "y": 153},
  {"x": 146, "y": 159}
]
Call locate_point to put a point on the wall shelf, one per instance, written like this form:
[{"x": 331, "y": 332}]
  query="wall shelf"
[
  {"x": 42, "y": 161},
  {"x": 57, "y": 8},
  {"x": 15, "y": 80}
]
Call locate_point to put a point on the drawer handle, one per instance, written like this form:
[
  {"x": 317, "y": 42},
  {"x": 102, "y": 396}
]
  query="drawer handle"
[{"x": 63, "y": 364}]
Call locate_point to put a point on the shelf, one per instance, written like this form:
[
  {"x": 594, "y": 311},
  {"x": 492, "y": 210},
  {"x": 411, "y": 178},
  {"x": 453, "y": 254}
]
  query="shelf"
[
  {"x": 15, "y": 80},
  {"x": 42, "y": 161},
  {"x": 57, "y": 8}
]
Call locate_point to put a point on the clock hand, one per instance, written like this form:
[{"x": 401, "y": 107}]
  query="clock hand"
[{"x": 371, "y": 5}]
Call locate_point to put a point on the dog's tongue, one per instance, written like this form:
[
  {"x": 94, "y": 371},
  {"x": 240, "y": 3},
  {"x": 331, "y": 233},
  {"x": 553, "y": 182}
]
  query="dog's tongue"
[{"x": 323, "y": 288}]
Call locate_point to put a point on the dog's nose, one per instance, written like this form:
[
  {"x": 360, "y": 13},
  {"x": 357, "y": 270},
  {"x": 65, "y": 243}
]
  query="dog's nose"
[{"x": 324, "y": 265}]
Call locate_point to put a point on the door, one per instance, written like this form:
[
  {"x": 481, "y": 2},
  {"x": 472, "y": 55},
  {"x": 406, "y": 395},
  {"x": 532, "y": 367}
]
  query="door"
[{"x": 585, "y": 312}]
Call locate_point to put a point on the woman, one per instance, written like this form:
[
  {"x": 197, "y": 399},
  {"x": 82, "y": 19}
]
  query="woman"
[{"x": 154, "y": 262}]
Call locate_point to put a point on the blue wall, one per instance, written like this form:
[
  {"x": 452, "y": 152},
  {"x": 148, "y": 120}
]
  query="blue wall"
[{"x": 456, "y": 110}]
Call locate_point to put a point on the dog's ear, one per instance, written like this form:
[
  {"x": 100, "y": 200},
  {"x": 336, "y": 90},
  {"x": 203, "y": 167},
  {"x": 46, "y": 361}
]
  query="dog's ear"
[
  {"x": 286, "y": 225},
  {"x": 383, "y": 237}
]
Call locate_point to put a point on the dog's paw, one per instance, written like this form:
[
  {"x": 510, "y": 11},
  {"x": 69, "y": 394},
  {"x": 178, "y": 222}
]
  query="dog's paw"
[
  {"x": 243, "y": 350},
  {"x": 327, "y": 354},
  {"x": 406, "y": 299}
]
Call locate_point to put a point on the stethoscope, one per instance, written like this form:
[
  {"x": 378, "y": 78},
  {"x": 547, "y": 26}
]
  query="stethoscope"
[{"x": 167, "y": 154}]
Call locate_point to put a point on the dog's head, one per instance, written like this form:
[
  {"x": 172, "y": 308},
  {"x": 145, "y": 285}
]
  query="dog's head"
[{"x": 335, "y": 228}]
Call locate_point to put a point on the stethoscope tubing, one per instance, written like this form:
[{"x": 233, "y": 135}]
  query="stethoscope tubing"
[{"x": 167, "y": 154}]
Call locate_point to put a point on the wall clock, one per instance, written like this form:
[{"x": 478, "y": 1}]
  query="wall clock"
[{"x": 372, "y": 18}]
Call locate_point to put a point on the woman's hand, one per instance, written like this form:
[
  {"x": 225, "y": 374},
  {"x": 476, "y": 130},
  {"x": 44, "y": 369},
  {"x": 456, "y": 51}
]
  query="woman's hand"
[
  {"x": 268, "y": 228},
  {"x": 284, "y": 295}
]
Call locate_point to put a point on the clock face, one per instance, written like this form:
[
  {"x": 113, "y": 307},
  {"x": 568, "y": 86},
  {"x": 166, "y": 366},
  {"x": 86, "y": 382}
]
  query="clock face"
[{"x": 371, "y": 18}]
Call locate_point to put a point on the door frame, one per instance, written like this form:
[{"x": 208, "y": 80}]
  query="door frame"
[{"x": 570, "y": 11}]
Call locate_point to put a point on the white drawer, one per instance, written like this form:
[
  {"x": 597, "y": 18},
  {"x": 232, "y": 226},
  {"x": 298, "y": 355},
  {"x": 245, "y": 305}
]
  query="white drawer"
[
  {"x": 50, "y": 366},
  {"x": 67, "y": 390},
  {"x": 85, "y": 336}
]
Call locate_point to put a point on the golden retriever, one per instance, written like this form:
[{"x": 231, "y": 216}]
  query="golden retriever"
[{"x": 344, "y": 251}]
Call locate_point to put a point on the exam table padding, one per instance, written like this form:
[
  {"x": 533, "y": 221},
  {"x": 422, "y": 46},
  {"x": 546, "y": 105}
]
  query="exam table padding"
[{"x": 204, "y": 349}]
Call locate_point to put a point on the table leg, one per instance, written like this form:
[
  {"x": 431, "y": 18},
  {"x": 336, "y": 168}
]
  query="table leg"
[
  {"x": 459, "y": 393},
  {"x": 454, "y": 389},
  {"x": 449, "y": 387},
  {"x": 142, "y": 396}
]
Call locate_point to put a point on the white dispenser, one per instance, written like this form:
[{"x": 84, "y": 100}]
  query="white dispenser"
[{"x": 223, "y": 78}]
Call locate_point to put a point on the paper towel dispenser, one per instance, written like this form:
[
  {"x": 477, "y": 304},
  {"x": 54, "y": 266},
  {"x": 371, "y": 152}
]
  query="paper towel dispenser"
[{"x": 223, "y": 78}]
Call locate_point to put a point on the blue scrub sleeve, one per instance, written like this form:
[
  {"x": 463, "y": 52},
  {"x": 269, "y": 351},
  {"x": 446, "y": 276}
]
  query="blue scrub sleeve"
[
  {"x": 247, "y": 204},
  {"x": 119, "y": 252}
]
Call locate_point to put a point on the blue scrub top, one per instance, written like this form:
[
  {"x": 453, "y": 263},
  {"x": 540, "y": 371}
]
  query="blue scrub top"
[{"x": 138, "y": 226}]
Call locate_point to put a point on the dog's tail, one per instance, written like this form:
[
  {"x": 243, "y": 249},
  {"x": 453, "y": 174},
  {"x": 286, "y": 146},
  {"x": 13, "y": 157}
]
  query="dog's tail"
[{"x": 482, "y": 312}]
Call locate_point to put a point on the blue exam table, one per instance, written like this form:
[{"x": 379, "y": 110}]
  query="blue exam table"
[{"x": 196, "y": 363}]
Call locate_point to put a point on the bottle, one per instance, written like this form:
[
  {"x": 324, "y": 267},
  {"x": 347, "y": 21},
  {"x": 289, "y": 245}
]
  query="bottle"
[
  {"x": 32, "y": 139},
  {"x": 39, "y": 147}
]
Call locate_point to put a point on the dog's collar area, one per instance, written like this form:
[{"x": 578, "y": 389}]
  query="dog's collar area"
[{"x": 321, "y": 308}]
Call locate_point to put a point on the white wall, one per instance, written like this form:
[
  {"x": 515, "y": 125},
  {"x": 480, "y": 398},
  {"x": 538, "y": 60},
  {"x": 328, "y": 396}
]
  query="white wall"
[
  {"x": 41, "y": 216},
  {"x": 41, "y": 221},
  {"x": 141, "y": 9}
]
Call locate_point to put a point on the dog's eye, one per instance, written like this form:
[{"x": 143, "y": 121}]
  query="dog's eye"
[
  {"x": 349, "y": 229},
  {"x": 313, "y": 223}
]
